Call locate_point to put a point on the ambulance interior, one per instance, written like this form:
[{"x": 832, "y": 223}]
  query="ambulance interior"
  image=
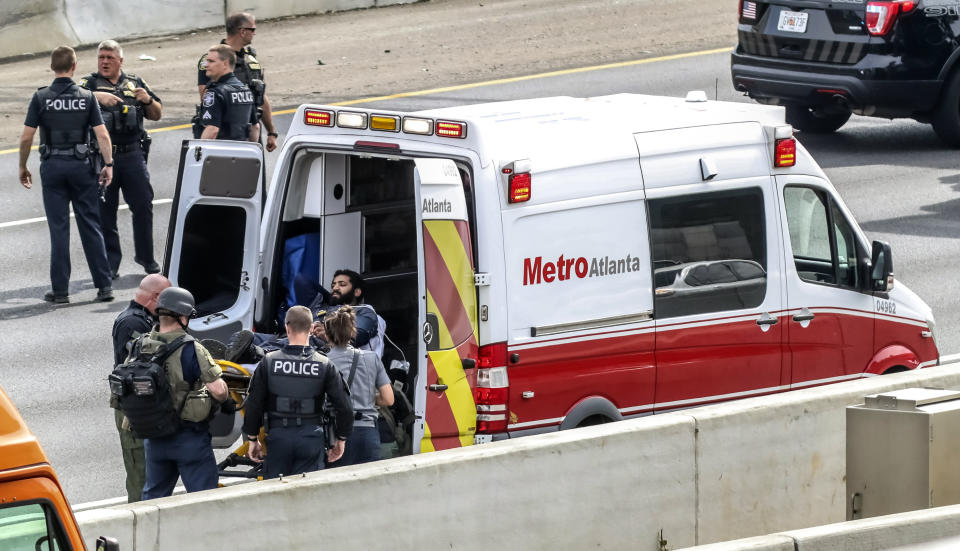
[{"x": 359, "y": 212}]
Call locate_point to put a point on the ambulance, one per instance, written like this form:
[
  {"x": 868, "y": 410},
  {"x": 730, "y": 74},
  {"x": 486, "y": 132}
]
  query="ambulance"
[{"x": 551, "y": 263}]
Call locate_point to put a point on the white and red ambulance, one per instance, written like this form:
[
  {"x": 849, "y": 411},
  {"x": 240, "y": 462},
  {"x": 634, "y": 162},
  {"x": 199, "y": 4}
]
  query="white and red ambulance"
[{"x": 552, "y": 263}]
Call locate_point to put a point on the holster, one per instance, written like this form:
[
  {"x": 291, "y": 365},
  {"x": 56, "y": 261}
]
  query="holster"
[
  {"x": 145, "y": 142},
  {"x": 195, "y": 121}
]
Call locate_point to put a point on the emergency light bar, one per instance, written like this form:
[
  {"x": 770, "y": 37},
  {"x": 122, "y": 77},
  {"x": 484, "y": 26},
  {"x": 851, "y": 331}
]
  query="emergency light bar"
[
  {"x": 316, "y": 117},
  {"x": 385, "y": 123},
  {"x": 450, "y": 129},
  {"x": 350, "y": 119}
]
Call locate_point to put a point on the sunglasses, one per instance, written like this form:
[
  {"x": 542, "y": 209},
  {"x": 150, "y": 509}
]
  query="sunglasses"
[{"x": 251, "y": 29}]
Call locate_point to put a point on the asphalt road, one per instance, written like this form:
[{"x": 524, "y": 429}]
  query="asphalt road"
[{"x": 899, "y": 181}]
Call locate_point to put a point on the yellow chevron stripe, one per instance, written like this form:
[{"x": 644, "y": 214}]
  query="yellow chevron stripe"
[
  {"x": 445, "y": 235},
  {"x": 459, "y": 395},
  {"x": 445, "y": 340},
  {"x": 426, "y": 444}
]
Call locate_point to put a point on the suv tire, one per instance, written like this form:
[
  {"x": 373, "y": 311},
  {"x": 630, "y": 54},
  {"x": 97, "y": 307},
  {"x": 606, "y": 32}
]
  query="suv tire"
[
  {"x": 815, "y": 120},
  {"x": 946, "y": 118}
]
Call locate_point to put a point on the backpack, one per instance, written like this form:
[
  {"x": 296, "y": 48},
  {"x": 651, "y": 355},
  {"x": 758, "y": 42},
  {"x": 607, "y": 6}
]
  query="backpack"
[{"x": 141, "y": 386}]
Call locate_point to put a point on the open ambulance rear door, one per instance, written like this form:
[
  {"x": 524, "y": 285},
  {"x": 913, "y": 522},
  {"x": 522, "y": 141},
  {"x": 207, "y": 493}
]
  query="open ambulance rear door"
[
  {"x": 447, "y": 352},
  {"x": 214, "y": 233}
]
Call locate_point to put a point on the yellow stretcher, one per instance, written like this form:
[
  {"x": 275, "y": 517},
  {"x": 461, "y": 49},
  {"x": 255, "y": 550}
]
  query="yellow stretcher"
[{"x": 237, "y": 464}]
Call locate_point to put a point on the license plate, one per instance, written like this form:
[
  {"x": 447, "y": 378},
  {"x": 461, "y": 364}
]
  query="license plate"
[{"x": 792, "y": 21}]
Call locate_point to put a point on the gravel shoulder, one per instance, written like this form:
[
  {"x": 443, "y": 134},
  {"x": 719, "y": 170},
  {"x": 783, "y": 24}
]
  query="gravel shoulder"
[{"x": 374, "y": 52}]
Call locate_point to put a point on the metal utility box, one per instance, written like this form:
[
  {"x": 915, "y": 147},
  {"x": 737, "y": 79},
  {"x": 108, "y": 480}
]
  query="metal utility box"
[{"x": 903, "y": 452}]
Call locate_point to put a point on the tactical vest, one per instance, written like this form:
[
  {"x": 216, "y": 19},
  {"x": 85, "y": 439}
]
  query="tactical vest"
[
  {"x": 295, "y": 386},
  {"x": 124, "y": 120},
  {"x": 249, "y": 71},
  {"x": 194, "y": 401},
  {"x": 237, "y": 105},
  {"x": 64, "y": 116}
]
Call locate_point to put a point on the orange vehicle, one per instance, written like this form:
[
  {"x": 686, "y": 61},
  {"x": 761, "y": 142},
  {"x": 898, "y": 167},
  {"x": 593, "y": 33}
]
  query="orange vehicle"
[{"x": 34, "y": 512}]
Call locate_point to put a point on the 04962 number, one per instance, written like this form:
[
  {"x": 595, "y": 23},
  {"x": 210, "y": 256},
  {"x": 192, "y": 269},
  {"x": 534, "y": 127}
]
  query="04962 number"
[{"x": 886, "y": 307}]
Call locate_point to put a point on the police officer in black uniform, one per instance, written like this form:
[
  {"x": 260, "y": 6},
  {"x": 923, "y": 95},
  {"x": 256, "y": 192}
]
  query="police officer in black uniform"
[
  {"x": 241, "y": 28},
  {"x": 138, "y": 318},
  {"x": 65, "y": 113},
  {"x": 288, "y": 389},
  {"x": 227, "y": 102},
  {"x": 125, "y": 100}
]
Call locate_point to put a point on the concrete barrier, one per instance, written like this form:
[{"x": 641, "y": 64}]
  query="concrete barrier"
[
  {"x": 619, "y": 484},
  {"x": 748, "y": 468},
  {"x": 97, "y": 20},
  {"x": 268, "y": 9},
  {"x": 779, "y": 462},
  {"x": 937, "y": 528},
  {"x": 40, "y": 26},
  {"x": 30, "y": 27}
]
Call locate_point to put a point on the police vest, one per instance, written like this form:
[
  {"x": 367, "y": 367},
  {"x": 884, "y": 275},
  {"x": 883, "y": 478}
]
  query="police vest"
[
  {"x": 295, "y": 384},
  {"x": 193, "y": 400},
  {"x": 124, "y": 120},
  {"x": 249, "y": 71},
  {"x": 64, "y": 116},
  {"x": 237, "y": 103}
]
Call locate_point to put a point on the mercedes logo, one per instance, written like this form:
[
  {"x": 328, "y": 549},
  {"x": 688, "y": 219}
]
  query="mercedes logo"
[{"x": 427, "y": 333}]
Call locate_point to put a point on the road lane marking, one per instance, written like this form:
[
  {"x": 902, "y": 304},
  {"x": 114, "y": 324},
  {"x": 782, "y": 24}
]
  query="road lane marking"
[
  {"x": 458, "y": 87},
  {"x": 430, "y": 91},
  {"x": 44, "y": 218}
]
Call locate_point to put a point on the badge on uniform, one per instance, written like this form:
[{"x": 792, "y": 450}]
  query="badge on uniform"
[{"x": 208, "y": 98}]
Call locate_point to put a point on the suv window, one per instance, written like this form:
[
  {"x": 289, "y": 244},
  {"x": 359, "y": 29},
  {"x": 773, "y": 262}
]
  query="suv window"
[
  {"x": 709, "y": 252},
  {"x": 823, "y": 242},
  {"x": 30, "y": 527}
]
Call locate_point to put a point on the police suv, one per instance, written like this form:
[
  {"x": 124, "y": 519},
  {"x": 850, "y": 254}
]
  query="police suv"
[
  {"x": 826, "y": 59},
  {"x": 551, "y": 263}
]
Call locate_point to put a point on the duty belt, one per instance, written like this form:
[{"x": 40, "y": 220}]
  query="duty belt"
[
  {"x": 123, "y": 148},
  {"x": 62, "y": 152},
  {"x": 274, "y": 421}
]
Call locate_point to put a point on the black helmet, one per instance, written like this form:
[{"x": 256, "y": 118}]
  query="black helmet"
[{"x": 176, "y": 300}]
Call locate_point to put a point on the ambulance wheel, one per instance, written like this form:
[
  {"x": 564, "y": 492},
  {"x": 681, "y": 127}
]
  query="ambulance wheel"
[
  {"x": 895, "y": 369},
  {"x": 815, "y": 120},
  {"x": 946, "y": 118}
]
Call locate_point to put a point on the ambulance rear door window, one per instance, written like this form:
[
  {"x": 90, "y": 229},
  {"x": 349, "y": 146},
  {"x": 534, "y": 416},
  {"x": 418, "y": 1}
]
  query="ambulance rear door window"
[{"x": 709, "y": 252}]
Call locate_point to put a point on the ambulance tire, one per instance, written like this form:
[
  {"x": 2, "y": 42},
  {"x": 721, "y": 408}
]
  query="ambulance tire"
[
  {"x": 896, "y": 369},
  {"x": 815, "y": 120}
]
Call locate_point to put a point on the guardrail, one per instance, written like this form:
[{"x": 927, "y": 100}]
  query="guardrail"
[
  {"x": 712, "y": 474},
  {"x": 42, "y": 25}
]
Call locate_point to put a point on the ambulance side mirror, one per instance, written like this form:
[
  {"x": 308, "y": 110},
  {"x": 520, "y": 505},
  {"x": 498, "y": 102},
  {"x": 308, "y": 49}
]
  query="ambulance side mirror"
[{"x": 881, "y": 271}]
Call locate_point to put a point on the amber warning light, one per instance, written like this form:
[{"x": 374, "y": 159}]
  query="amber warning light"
[{"x": 314, "y": 117}]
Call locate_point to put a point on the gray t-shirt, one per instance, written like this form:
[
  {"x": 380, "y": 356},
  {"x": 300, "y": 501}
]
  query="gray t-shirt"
[{"x": 369, "y": 377}]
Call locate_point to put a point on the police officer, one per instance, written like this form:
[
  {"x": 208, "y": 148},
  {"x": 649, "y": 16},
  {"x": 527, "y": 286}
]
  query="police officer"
[
  {"x": 65, "y": 113},
  {"x": 135, "y": 320},
  {"x": 288, "y": 389},
  {"x": 241, "y": 28},
  {"x": 125, "y": 100},
  {"x": 194, "y": 379},
  {"x": 227, "y": 102}
]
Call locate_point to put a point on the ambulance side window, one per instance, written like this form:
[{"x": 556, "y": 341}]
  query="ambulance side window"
[
  {"x": 823, "y": 242},
  {"x": 709, "y": 252}
]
